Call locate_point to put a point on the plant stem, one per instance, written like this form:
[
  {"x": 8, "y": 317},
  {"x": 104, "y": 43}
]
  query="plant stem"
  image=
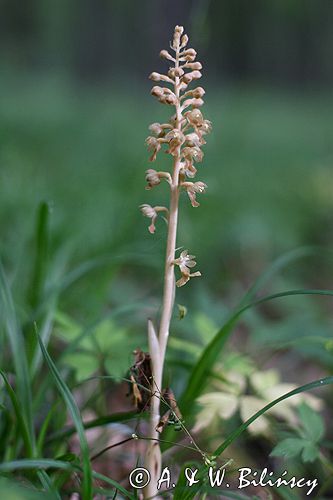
[{"x": 154, "y": 458}]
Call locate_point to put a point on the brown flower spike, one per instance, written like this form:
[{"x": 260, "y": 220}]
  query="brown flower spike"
[
  {"x": 184, "y": 134},
  {"x": 182, "y": 137}
]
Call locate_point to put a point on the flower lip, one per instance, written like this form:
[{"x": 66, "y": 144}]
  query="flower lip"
[
  {"x": 185, "y": 262},
  {"x": 153, "y": 145},
  {"x": 192, "y": 189},
  {"x": 152, "y": 213},
  {"x": 186, "y": 277}
]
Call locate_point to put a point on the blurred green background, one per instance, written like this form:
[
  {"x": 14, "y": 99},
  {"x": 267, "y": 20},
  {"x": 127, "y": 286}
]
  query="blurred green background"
[{"x": 75, "y": 105}]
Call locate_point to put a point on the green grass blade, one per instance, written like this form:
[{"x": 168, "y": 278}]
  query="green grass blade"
[
  {"x": 77, "y": 420},
  {"x": 37, "y": 464},
  {"x": 45, "y": 334},
  {"x": 202, "y": 368},
  {"x": 107, "y": 480},
  {"x": 18, "y": 349},
  {"x": 47, "y": 485},
  {"x": 237, "y": 432},
  {"x": 97, "y": 422},
  {"x": 22, "y": 425},
  {"x": 45, "y": 464},
  {"x": 36, "y": 289},
  {"x": 44, "y": 428}
]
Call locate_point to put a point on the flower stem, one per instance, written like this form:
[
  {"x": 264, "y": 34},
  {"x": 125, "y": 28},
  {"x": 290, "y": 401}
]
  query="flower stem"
[{"x": 154, "y": 459}]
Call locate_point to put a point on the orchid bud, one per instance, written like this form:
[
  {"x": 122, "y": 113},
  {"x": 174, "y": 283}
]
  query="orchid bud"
[
  {"x": 189, "y": 55},
  {"x": 157, "y": 91},
  {"x": 183, "y": 41},
  {"x": 198, "y": 92},
  {"x": 193, "y": 65},
  {"x": 164, "y": 54}
]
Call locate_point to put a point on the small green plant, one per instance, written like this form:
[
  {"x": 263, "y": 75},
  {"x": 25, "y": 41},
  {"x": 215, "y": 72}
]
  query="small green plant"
[{"x": 305, "y": 443}]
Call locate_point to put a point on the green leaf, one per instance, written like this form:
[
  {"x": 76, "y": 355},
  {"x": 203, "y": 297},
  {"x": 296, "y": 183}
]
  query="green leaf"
[
  {"x": 85, "y": 364},
  {"x": 103, "y": 344},
  {"x": 288, "y": 448},
  {"x": 312, "y": 423},
  {"x": 237, "y": 432},
  {"x": 75, "y": 414},
  {"x": 182, "y": 311},
  {"x": 66, "y": 328},
  {"x": 310, "y": 452}
]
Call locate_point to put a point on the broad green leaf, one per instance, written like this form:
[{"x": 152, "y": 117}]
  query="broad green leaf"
[
  {"x": 102, "y": 345},
  {"x": 66, "y": 328},
  {"x": 248, "y": 406},
  {"x": 215, "y": 404},
  {"x": 237, "y": 432},
  {"x": 263, "y": 380},
  {"x": 288, "y": 448},
  {"x": 85, "y": 364},
  {"x": 312, "y": 423},
  {"x": 310, "y": 452},
  {"x": 239, "y": 363}
]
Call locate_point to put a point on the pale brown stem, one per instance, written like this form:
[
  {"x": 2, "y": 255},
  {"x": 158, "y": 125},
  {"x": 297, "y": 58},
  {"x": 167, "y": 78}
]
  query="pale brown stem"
[{"x": 158, "y": 345}]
